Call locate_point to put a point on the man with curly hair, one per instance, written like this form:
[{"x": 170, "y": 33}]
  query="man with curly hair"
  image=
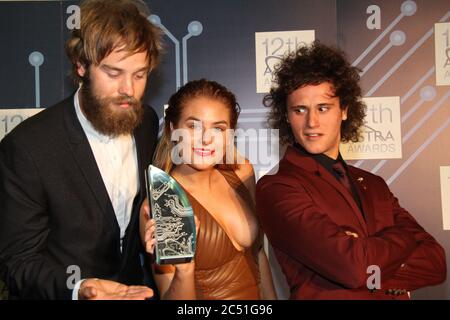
[{"x": 337, "y": 231}]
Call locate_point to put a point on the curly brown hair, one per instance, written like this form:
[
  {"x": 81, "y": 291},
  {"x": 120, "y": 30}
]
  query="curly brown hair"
[{"x": 313, "y": 65}]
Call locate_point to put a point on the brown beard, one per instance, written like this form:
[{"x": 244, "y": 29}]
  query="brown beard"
[{"x": 104, "y": 117}]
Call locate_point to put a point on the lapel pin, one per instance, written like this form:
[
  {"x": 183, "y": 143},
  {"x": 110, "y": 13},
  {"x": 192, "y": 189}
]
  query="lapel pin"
[{"x": 360, "y": 180}]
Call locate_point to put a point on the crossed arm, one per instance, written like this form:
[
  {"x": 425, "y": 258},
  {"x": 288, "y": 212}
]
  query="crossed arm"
[
  {"x": 296, "y": 226},
  {"x": 426, "y": 265}
]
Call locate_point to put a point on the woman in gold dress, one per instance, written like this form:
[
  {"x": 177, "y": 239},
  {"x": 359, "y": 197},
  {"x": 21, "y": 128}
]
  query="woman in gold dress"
[{"x": 230, "y": 262}]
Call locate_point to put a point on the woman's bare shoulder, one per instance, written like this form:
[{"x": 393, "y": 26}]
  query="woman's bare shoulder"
[{"x": 246, "y": 174}]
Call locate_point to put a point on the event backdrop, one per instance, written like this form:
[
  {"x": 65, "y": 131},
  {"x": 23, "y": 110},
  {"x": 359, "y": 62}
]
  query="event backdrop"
[{"x": 402, "y": 48}]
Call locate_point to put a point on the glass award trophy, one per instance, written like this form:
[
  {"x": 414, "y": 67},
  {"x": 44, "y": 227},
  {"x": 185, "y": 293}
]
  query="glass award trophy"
[{"x": 174, "y": 218}]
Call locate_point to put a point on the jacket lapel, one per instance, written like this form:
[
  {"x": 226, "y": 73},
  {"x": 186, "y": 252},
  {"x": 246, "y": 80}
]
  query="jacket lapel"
[
  {"x": 139, "y": 139},
  {"x": 328, "y": 177},
  {"x": 313, "y": 166},
  {"x": 366, "y": 202},
  {"x": 82, "y": 153}
]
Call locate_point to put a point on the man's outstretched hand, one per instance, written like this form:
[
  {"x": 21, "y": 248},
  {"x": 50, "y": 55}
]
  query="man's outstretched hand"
[{"x": 98, "y": 289}]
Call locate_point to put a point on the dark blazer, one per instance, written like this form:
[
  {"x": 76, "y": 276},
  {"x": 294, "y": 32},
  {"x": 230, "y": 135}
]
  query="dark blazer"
[
  {"x": 305, "y": 211},
  {"x": 55, "y": 210}
]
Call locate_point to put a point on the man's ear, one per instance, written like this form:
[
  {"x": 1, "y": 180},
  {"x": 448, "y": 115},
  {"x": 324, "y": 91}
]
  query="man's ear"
[
  {"x": 344, "y": 113},
  {"x": 81, "y": 70}
]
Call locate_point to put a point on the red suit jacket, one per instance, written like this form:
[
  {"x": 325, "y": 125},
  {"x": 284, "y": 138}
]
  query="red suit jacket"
[{"x": 305, "y": 213}]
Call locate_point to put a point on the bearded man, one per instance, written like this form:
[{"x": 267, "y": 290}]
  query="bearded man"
[{"x": 72, "y": 177}]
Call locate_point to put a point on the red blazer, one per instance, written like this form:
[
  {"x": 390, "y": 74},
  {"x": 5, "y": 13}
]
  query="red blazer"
[{"x": 305, "y": 213}]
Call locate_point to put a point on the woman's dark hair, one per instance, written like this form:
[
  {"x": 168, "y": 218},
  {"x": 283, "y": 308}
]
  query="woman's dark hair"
[{"x": 313, "y": 65}]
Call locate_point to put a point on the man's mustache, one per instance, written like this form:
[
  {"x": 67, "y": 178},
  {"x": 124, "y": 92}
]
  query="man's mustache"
[{"x": 125, "y": 99}]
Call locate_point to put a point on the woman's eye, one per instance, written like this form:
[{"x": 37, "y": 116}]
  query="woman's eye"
[{"x": 194, "y": 126}]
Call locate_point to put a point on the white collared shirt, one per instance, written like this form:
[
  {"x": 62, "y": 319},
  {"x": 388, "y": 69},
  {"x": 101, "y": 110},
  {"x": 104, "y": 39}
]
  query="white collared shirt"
[{"x": 117, "y": 161}]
